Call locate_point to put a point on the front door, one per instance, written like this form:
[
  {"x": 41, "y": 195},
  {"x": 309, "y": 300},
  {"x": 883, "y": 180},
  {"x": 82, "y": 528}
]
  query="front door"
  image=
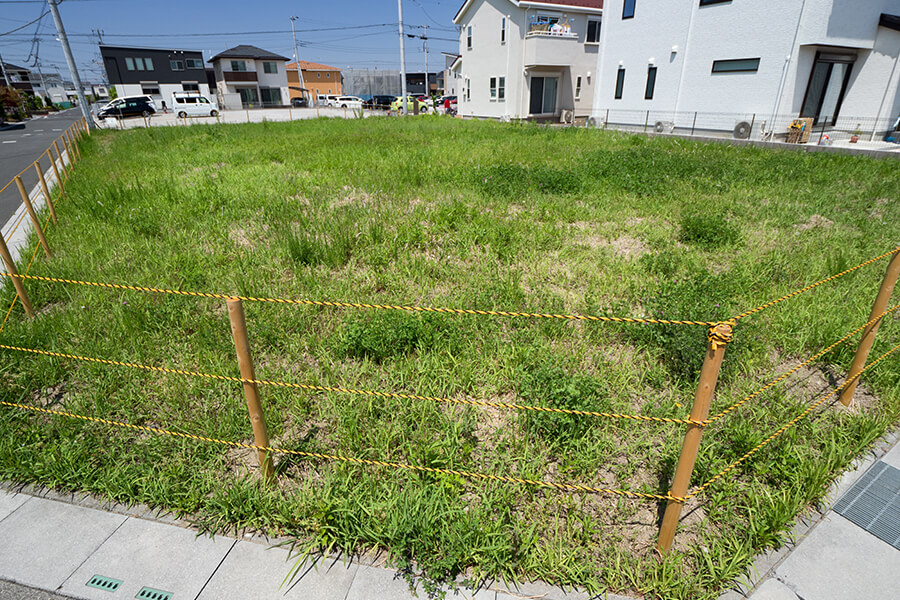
[
  {"x": 543, "y": 95},
  {"x": 827, "y": 85},
  {"x": 248, "y": 96}
]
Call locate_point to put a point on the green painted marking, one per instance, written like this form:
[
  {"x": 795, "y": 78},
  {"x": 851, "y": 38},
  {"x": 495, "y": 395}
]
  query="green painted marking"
[
  {"x": 102, "y": 582},
  {"x": 147, "y": 593}
]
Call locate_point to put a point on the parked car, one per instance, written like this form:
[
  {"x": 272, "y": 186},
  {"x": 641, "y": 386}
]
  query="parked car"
[
  {"x": 348, "y": 102},
  {"x": 397, "y": 105},
  {"x": 131, "y": 106},
  {"x": 379, "y": 101},
  {"x": 299, "y": 102},
  {"x": 331, "y": 99},
  {"x": 186, "y": 104}
]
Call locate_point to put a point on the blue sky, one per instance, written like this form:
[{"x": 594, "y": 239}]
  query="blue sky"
[{"x": 341, "y": 33}]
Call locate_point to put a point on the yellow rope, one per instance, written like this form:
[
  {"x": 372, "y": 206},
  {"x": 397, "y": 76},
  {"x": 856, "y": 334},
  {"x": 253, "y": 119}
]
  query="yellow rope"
[
  {"x": 337, "y": 304},
  {"x": 814, "y": 285},
  {"x": 567, "y": 487},
  {"x": 790, "y": 424},
  {"x": 806, "y": 362},
  {"x": 343, "y": 390}
]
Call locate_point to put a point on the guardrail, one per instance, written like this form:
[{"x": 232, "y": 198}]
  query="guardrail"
[{"x": 719, "y": 336}]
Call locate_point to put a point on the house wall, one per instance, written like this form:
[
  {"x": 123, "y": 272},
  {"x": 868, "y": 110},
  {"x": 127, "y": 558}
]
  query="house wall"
[
  {"x": 263, "y": 80},
  {"x": 685, "y": 82},
  {"x": 323, "y": 82}
]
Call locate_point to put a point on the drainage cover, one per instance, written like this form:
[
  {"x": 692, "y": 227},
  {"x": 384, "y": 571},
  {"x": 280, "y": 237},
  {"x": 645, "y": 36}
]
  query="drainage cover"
[
  {"x": 873, "y": 503},
  {"x": 103, "y": 582},
  {"x": 151, "y": 594}
]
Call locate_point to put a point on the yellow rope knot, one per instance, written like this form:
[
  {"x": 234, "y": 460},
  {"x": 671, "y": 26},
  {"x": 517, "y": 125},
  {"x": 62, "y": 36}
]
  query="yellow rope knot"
[{"x": 720, "y": 333}]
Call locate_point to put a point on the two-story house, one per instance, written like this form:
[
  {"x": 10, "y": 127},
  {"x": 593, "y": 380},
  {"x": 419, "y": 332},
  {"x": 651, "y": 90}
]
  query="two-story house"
[
  {"x": 527, "y": 59},
  {"x": 250, "y": 76},
  {"x": 738, "y": 62},
  {"x": 156, "y": 72},
  {"x": 318, "y": 80}
]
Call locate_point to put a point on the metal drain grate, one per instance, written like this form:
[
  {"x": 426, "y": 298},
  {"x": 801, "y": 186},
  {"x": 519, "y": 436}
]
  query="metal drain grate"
[
  {"x": 151, "y": 594},
  {"x": 102, "y": 582},
  {"x": 873, "y": 503}
]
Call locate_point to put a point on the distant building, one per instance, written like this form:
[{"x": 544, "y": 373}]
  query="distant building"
[
  {"x": 20, "y": 78},
  {"x": 415, "y": 84},
  {"x": 250, "y": 77},
  {"x": 318, "y": 80},
  {"x": 156, "y": 72},
  {"x": 450, "y": 82},
  {"x": 366, "y": 83}
]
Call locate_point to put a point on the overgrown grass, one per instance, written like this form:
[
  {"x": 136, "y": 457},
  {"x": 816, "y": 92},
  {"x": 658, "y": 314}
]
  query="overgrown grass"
[{"x": 468, "y": 215}]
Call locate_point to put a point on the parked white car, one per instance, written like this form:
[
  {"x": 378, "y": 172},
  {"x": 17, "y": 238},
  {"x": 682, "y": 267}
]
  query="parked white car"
[
  {"x": 348, "y": 102},
  {"x": 193, "y": 105}
]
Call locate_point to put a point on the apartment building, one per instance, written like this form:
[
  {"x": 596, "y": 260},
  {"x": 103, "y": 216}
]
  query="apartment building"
[
  {"x": 523, "y": 59},
  {"x": 156, "y": 72}
]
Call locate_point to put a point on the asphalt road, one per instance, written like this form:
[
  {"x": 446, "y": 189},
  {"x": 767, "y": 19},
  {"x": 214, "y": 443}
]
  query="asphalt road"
[
  {"x": 19, "y": 147},
  {"x": 13, "y": 591}
]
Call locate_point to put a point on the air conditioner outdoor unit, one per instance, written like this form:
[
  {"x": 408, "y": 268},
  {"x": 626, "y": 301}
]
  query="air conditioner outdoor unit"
[
  {"x": 567, "y": 115},
  {"x": 593, "y": 122},
  {"x": 664, "y": 127},
  {"x": 742, "y": 130}
]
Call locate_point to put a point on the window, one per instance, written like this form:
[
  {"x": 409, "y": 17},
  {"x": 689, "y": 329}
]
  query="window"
[
  {"x": 577, "y": 88},
  {"x": 190, "y": 87},
  {"x": 176, "y": 65},
  {"x": 150, "y": 88},
  {"x": 270, "y": 67},
  {"x": 493, "y": 88},
  {"x": 238, "y": 65},
  {"x": 138, "y": 64},
  {"x": 708, "y": 2},
  {"x": 193, "y": 63},
  {"x": 148, "y": 64},
  {"x": 318, "y": 75},
  {"x": 827, "y": 85},
  {"x": 620, "y": 82},
  {"x": 593, "y": 32},
  {"x": 737, "y": 65},
  {"x": 129, "y": 64},
  {"x": 469, "y": 37},
  {"x": 503, "y": 30},
  {"x": 501, "y": 89},
  {"x": 468, "y": 90},
  {"x": 543, "y": 95},
  {"x": 270, "y": 95},
  {"x": 628, "y": 9},
  {"x": 651, "y": 83}
]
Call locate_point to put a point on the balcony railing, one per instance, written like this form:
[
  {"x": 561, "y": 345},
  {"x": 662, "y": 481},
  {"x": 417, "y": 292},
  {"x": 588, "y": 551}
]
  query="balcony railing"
[{"x": 544, "y": 29}]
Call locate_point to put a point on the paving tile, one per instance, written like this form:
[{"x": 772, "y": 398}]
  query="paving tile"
[
  {"x": 839, "y": 560},
  {"x": 538, "y": 589},
  {"x": 372, "y": 583},
  {"x": 10, "y": 501},
  {"x": 143, "y": 553},
  {"x": 256, "y": 572},
  {"x": 772, "y": 589},
  {"x": 893, "y": 457},
  {"x": 45, "y": 541}
]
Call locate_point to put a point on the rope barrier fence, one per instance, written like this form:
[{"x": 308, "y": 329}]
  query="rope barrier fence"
[{"x": 719, "y": 337}]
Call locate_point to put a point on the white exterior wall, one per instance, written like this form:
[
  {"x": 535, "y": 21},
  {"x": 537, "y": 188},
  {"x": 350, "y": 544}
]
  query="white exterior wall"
[
  {"x": 741, "y": 29},
  {"x": 274, "y": 80},
  {"x": 520, "y": 57}
]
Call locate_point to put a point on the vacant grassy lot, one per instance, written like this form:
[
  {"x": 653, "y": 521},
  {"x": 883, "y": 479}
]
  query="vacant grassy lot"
[{"x": 467, "y": 215}]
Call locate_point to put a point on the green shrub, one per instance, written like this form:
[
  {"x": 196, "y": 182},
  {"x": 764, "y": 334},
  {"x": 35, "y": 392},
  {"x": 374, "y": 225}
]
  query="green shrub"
[
  {"x": 381, "y": 335},
  {"x": 707, "y": 231}
]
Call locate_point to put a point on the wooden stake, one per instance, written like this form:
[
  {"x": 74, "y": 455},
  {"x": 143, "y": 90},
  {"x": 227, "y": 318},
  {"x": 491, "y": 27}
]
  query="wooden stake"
[
  {"x": 46, "y": 190},
  {"x": 59, "y": 182},
  {"x": 709, "y": 375},
  {"x": 61, "y": 162},
  {"x": 74, "y": 144},
  {"x": 17, "y": 282},
  {"x": 251, "y": 394},
  {"x": 868, "y": 336},
  {"x": 70, "y": 156},
  {"x": 34, "y": 218}
]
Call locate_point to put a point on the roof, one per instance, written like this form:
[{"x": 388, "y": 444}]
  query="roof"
[
  {"x": 889, "y": 21},
  {"x": 13, "y": 67},
  {"x": 588, "y": 5},
  {"x": 247, "y": 51},
  {"x": 102, "y": 46},
  {"x": 305, "y": 65}
]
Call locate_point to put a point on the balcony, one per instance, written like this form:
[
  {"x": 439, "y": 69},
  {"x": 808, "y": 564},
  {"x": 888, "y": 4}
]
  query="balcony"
[
  {"x": 550, "y": 44},
  {"x": 240, "y": 76},
  {"x": 550, "y": 29}
]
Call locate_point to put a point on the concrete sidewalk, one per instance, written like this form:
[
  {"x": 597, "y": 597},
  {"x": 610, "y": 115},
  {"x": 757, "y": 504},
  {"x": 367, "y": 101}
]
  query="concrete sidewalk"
[
  {"x": 55, "y": 543},
  {"x": 831, "y": 557}
]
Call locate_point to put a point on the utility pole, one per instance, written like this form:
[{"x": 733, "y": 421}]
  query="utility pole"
[
  {"x": 70, "y": 60},
  {"x": 404, "y": 100},
  {"x": 6, "y": 78},
  {"x": 427, "y": 82},
  {"x": 297, "y": 58}
]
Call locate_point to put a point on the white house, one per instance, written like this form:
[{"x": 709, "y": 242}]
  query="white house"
[
  {"x": 739, "y": 62},
  {"x": 527, "y": 59},
  {"x": 250, "y": 76}
]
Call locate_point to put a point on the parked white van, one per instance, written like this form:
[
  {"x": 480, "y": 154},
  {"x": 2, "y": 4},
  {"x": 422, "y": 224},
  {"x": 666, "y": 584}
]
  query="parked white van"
[{"x": 186, "y": 104}]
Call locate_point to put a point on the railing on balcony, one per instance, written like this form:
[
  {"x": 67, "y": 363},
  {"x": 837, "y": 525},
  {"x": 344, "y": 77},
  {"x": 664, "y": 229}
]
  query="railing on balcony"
[
  {"x": 545, "y": 28},
  {"x": 241, "y": 76}
]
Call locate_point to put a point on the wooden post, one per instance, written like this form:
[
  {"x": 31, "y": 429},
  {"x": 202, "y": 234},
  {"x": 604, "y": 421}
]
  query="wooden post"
[
  {"x": 290, "y": 113},
  {"x": 56, "y": 172},
  {"x": 646, "y": 120},
  {"x": 694, "y": 124},
  {"x": 46, "y": 190},
  {"x": 17, "y": 282},
  {"x": 61, "y": 161},
  {"x": 251, "y": 394},
  {"x": 74, "y": 145},
  {"x": 709, "y": 375},
  {"x": 34, "y": 218},
  {"x": 868, "y": 336},
  {"x": 70, "y": 156},
  {"x": 248, "y": 115}
]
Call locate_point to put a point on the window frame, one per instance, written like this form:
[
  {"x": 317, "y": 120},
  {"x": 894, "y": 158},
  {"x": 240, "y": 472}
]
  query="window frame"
[
  {"x": 501, "y": 88},
  {"x": 733, "y": 61},
  {"x": 153, "y": 85},
  {"x": 503, "y": 31},
  {"x": 193, "y": 63},
  {"x": 235, "y": 63},
  {"x": 266, "y": 66},
  {"x": 578, "y": 88},
  {"x": 493, "y": 86},
  {"x": 468, "y": 90},
  {"x": 650, "y": 88},
  {"x": 468, "y": 37},
  {"x": 620, "y": 83},
  {"x": 626, "y": 14},
  {"x": 173, "y": 64},
  {"x": 587, "y": 33},
  {"x": 129, "y": 64}
]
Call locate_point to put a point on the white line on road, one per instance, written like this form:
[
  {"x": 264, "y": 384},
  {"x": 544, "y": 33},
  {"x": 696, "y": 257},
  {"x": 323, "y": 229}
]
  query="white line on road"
[
  {"x": 10, "y": 141},
  {"x": 57, "y": 130}
]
